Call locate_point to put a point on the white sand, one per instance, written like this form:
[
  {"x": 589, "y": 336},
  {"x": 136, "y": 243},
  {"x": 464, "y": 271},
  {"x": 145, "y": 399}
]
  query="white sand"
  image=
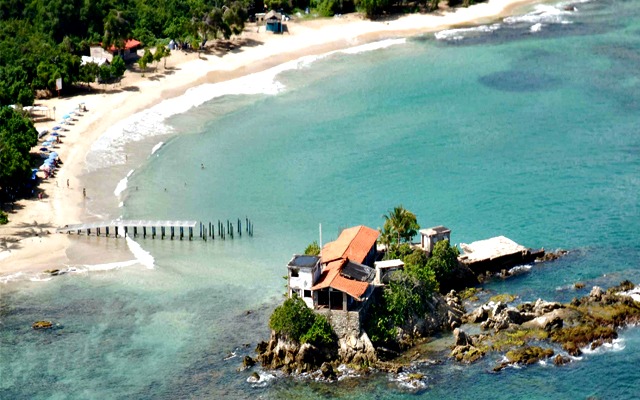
[{"x": 36, "y": 250}]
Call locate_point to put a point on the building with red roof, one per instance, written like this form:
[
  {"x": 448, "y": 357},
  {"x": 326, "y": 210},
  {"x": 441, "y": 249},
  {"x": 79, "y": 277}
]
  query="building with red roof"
[{"x": 341, "y": 278}]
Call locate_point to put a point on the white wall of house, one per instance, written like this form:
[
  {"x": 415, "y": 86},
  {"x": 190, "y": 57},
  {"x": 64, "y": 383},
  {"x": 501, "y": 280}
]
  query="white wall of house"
[{"x": 302, "y": 284}]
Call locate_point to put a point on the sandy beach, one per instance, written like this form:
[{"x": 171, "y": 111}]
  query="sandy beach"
[{"x": 29, "y": 244}]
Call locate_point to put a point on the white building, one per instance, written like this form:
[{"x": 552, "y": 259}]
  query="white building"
[
  {"x": 303, "y": 272},
  {"x": 429, "y": 237}
]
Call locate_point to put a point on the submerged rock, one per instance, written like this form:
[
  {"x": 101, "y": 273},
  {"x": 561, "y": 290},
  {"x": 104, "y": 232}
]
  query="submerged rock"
[
  {"x": 39, "y": 325},
  {"x": 561, "y": 360},
  {"x": 526, "y": 355}
]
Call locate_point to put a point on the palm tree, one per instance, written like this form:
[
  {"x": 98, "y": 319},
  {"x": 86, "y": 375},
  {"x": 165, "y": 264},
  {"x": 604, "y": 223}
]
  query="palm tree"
[
  {"x": 116, "y": 30},
  {"x": 400, "y": 223}
]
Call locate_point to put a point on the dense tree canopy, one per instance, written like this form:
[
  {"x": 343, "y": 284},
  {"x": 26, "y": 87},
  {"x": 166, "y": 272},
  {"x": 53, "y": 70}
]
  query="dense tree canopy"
[
  {"x": 42, "y": 40},
  {"x": 17, "y": 136}
]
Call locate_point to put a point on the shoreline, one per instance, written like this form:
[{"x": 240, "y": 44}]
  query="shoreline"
[{"x": 37, "y": 250}]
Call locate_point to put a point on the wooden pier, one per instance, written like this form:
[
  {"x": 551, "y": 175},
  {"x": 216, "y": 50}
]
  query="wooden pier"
[{"x": 162, "y": 229}]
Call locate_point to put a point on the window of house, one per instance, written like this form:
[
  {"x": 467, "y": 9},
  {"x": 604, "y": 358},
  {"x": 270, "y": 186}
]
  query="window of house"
[
  {"x": 294, "y": 273},
  {"x": 307, "y": 293}
]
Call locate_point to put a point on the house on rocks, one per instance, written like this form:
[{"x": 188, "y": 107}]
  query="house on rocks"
[{"x": 341, "y": 278}]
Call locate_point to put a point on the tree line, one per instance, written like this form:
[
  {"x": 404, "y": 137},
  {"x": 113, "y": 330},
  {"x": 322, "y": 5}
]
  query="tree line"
[{"x": 43, "y": 40}]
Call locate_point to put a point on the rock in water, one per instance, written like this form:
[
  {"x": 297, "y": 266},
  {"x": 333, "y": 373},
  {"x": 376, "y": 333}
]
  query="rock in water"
[
  {"x": 462, "y": 339},
  {"x": 595, "y": 294},
  {"x": 42, "y": 325},
  {"x": 255, "y": 377},
  {"x": 248, "y": 362}
]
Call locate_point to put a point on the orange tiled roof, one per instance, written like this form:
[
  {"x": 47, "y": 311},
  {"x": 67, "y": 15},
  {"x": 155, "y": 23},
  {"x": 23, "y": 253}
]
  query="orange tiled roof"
[
  {"x": 128, "y": 44},
  {"x": 331, "y": 270},
  {"x": 331, "y": 277},
  {"x": 351, "y": 287},
  {"x": 353, "y": 243}
]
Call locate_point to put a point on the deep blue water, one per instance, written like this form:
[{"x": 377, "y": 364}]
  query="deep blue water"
[{"x": 519, "y": 130}]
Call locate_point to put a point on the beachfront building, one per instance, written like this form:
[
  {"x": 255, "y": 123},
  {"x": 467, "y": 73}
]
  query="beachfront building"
[
  {"x": 128, "y": 53},
  {"x": 303, "y": 271},
  {"x": 429, "y": 237},
  {"x": 341, "y": 278},
  {"x": 345, "y": 282},
  {"x": 273, "y": 22}
]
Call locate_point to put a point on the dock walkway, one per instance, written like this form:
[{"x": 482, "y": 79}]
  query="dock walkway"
[{"x": 167, "y": 228}]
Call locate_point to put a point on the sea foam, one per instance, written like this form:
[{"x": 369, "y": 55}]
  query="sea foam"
[
  {"x": 122, "y": 185},
  {"x": 142, "y": 256},
  {"x": 108, "y": 150}
]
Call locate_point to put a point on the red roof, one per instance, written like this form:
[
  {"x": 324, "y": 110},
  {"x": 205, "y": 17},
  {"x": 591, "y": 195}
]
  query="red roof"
[
  {"x": 331, "y": 277},
  {"x": 128, "y": 44},
  {"x": 353, "y": 243}
]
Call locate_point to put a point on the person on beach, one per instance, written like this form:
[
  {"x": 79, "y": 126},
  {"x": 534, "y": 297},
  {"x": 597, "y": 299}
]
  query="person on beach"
[
  {"x": 84, "y": 192},
  {"x": 201, "y": 166},
  {"x": 67, "y": 183}
]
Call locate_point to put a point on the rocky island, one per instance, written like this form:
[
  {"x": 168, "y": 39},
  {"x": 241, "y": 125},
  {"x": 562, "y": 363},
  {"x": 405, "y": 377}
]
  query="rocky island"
[{"x": 360, "y": 304}]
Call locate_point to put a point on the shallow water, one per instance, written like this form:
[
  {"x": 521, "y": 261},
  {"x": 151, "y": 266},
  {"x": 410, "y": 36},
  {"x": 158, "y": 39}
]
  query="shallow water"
[{"x": 531, "y": 134}]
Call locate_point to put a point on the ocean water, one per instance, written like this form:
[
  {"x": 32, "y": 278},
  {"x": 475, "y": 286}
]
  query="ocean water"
[{"x": 526, "y": 127}]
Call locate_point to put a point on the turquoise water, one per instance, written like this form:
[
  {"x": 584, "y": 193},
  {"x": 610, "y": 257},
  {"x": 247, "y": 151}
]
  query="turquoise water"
[{"x": 532, "y": 134}]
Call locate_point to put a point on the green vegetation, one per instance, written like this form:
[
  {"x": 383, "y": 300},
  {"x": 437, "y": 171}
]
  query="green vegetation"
[
  {"x": 17, "y": 136},
  {"x": 400, "y": 226},
  {"x": 3, "y": 218},
  {"x": 313, "y": 249},
  {"x": 294, "y": 320},
  {"x": 42, "y": 40},
  {"x": 443, "y": 260}
]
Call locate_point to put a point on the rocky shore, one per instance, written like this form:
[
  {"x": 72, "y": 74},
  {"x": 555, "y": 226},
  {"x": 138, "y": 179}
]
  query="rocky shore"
[
  {"x": 530, "y": 332},
  {"x": 281, "y": 353}
]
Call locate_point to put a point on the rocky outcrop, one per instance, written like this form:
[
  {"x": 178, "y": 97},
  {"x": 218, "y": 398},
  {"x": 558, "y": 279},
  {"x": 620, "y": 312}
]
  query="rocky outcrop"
[
  {"x": 526, "y": 355},
  {"x": 290, "y": 356},
  {"x": 590, "y": 321},
  {"x": 504, "y": 318},
  {"x": 553, "y": 255},
  {"x": 357, "y": 350}
]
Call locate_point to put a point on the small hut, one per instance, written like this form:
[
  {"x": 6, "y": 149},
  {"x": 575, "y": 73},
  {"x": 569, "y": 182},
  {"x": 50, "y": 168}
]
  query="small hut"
[{"x": 273, "y": 22}]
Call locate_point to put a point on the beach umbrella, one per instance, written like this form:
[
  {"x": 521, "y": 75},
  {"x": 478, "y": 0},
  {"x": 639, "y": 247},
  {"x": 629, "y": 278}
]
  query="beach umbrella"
[
  {"x": 55, "y": 128},
  {"x": 54, "y": 154},
  {"x": 55, "y": 134},
  {"x": 44, "y": 149},
  {"x": 66, "y": 116}
]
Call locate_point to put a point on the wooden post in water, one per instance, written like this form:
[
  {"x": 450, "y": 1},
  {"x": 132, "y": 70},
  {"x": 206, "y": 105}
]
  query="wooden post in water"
[
  {"x": 162, "y": 232},
  {"x": 107, "y": 231},
  {"x": 126, "y": 230},
  {"x": 135, "y": 231},
  {"x": 181, "y": 233},
  {"x": 98, "y": 231},
  {"x": 246, "y": 223},
  {"x": 144, "y": 232},
  {"x": 172, "y": 232},
  {"x": 231, "y": 230},
  {"x": 88, "y": 231}
]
